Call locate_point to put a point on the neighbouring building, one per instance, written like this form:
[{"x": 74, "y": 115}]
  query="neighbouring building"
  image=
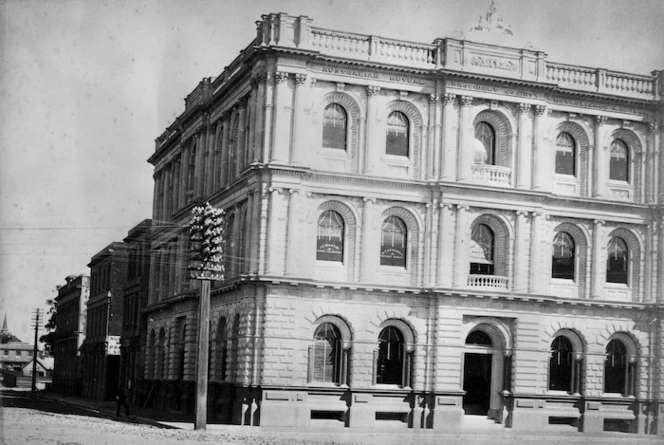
[
  {"x": 416, "y": 235},
  {"x": 14, "y": 353},
  {"x": 69, "y": 334},
  {"x": 103, "y": 327},
  {"x": 135, "y": 297}
]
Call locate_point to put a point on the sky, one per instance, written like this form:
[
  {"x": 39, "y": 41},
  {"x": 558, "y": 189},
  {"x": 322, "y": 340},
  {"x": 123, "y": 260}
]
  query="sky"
[{"x": 86, "y": 87}]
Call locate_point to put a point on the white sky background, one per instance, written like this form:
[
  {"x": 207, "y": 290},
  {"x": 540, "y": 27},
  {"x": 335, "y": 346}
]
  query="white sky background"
[{"x": 86, "y": 87}]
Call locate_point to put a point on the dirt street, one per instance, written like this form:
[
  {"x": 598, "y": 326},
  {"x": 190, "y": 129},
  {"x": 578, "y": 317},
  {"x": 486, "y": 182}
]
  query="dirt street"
[{"x": 35, "y": 422}]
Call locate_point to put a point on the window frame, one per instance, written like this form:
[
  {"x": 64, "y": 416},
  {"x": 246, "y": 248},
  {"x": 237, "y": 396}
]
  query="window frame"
[
  {"x": 489, "y": 267},
  {"x": 561, "y": 148},
  {"x": 338, "y": 107},
  {"x": 320, "y": 255},
  {"x": 571, "y": 385},
  {"x": 491, "y": 155},
  {"x": 391, "y": 148},
  {"x": 392, "y": 261},
  {"x": 617, "y": 142},
  {"x": 565, "y": 236},
  {"x": 627, "y": 265}
]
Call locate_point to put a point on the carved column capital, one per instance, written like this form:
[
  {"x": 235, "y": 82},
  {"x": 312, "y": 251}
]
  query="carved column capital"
[
  {"x": 368, "y": 200},
  {"x": 433, "y": 98},
  {"x": 372, "y": 90},
  {"x": 540, "y": 110},
  {"x": 449, "y": 98},
  {"x": 652, "y": 127},
  {"x": 300, "y": 79},
  {"x": 600, "y": 120},
  {"x": 466, "y": 100},
  {"x": 462, "y": 208},
  {"x": 522, "y": 109},
  {"x": 280, "y": 76},
  {"x": 258, "y": 79},
  {"x": 598, "y": 222}
]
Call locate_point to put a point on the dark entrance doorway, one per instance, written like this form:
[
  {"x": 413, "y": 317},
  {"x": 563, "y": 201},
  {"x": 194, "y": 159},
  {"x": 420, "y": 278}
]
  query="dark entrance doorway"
[{"x": 477, "y": 384}]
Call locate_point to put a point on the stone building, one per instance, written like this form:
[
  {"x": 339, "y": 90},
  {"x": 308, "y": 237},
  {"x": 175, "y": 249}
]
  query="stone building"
[
  {"x": 417, "y": 235},
  {"x": 135, "y": 297},
  {"x": 69, "y": 334},
  {"x": 101, "y": 348}
]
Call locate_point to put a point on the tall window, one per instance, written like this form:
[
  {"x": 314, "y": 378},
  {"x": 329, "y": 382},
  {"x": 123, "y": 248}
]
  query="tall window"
[
  {"x": 615, "y": 368},
  {"x": 327, "y": 353},
  {"x": 617, "y": 264},
  {"x": 393, "y": 242},
  {"x": 391, "y": 351},
  {"x": 222, "y": 348},
  {"x": 397, "y": 134},
  {"x": 563, "y": 256},
  {"x": 330, "y": 241},
  {"x": 619, "y": 164},
  {"x": 485, "y": 149},
  {"x": 161, "y": 355},
  {"x": 229, "y": 254},
  {"x": 482, "y": 250},
  {"x": 565, "y": 154},
  {"x": 334, "y": 127},
  {"x": 561, "y": 365}
]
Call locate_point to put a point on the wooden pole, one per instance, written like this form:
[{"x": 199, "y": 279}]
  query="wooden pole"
[
  {"x": 34, "y": 353},
  {"x": 202, "y": 356}
]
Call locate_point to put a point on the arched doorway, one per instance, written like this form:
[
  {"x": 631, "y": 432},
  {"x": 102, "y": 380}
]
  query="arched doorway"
[{"x": 486, "y": 369}]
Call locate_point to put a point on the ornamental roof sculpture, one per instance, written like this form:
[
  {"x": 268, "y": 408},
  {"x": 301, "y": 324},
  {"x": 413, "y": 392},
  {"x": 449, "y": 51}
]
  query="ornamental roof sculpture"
[
  {"x": 491, "y": 28},
  {"x": 492, "y": 22}
]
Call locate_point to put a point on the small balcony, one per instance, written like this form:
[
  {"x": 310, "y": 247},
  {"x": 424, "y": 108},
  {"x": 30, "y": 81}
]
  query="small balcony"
[
  {"x": 487, "y": 282},
  {"x": 492, "y": 174}
]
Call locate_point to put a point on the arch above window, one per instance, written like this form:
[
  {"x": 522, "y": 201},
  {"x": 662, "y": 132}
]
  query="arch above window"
[
  {"x": 335, "y": 124},
  {"x": 479, "y": 338},
  {"x": 619, "y": 162},
  {"x": 398, "y": 134},
  {"x": 565, "y": 154},
  {"x": 330, "y": 238},
  {"x": 564, "y": 257},
  {"x": 485, "y": 144}
]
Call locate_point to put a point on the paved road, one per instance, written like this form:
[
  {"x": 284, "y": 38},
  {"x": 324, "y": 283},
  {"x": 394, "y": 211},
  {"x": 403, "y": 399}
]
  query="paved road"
[{"x": 25, "y": 420}]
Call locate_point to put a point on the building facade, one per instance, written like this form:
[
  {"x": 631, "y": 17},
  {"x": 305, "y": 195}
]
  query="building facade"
[
  {"x": 101, "y": 348},
  {"x": 14, "y": 353},
  {"x": 135, "y": 296},
  {"x": 70, "y": 304},
  {"x": 415, "y": 234}
]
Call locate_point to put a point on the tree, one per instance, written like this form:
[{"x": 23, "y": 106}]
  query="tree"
[{"x": 49, "y": 338}]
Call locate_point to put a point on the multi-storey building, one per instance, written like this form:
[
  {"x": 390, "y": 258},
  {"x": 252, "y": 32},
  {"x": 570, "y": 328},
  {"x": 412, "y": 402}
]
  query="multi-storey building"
[
  {"x": 101, "y": 348},
  {"x": 135, "y": 296},
  {"x": 14, "y": 353},
  {"x": 416, "y": 234},
  {"x": 69, "y": 334}
]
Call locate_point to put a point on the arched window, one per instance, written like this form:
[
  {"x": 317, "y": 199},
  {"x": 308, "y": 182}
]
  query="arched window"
[
  {"x": 327, "y": 352},
  {"x": 562, "y": 265},
  {"x": 393, "y": 242},
  {"x": 335, "y": 121},
  {"x": 479, "y": 338},
  {"x": 391, "y": 351},
  {"x": 161, "y": 355},
  {"x": 619, "y": 164},
  {"x": 565, "y": 154},
  {"x": 485, "y": 147},
  {"x": 229, "y": 254},
  {"x": 398, "y": 130},
  {"x": 330, "y": 240},
  {"x": 615, "y": 368},
  {"x": 481, "y": 250},
  {"x": 222, "y": 348},
  {"x": 561, "y": 365},
  {"x": 617, "y": 263}
]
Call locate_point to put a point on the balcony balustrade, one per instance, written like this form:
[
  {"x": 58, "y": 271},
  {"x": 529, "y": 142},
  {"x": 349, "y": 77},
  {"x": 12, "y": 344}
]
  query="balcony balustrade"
[
  {"x": 493, "y": 174},
  {"x": 488, "y": 281}
]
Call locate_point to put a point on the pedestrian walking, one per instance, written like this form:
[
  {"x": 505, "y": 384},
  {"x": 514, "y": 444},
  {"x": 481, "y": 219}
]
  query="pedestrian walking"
[{"x": 121, "y": 398}]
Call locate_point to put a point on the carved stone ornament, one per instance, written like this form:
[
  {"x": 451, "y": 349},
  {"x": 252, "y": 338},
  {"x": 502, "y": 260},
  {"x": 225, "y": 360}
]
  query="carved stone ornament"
[
  {"x": 540, "y": 110},
  {"x": 449, "y": 98},
  {"x": 652, "y": 127},
  {"x": 300, "y": 79},
  {"x": 280, "y": 77},
  {"x": 372, "y": 90},
  {"x": 600, "y": 120},
  {"x": 433, "y": 98},
  {"x": 523, "y": 108},
  {"x": 466, "y": 100}
]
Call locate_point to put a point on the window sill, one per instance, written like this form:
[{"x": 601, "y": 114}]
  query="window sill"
[
  {"x": 326, "y": 385},
  {"x": 390, "y": 387},
  {"x": 335, "y": 265}
]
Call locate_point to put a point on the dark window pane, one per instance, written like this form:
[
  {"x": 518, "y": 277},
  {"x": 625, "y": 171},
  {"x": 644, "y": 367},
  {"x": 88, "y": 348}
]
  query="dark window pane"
[
  {"x": 397, "y": 134},
  {"x": 485, "y": 147},
  {"x": 565, "y": 154},
  {"x": 615, "y": 367},
  {"x": 617, "y": 264},
  {"x": 619, "y": 164},
  {"x": 560, "y": 365},
  {"x": 393, "y": 242},
  {"x": 330, "y": 240},
  {"x": 479, "y": 338},
  {"x": 562, "y": 265},
  {"x": 390, "y": 356},
  {"x": 334, "y": 127}
]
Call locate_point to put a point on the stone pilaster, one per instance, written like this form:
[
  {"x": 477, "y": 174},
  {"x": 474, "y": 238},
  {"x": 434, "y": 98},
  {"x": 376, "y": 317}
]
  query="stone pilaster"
[
  {"x": 368, "y": 255},
  {"x": 524, "y": 149},
  {"x": 370, "y": 149},
  {"x": 281, "y": 130},
  {"x": 520, "y": 253},
  {"x": 465, "y": 150},
  {"x": 597, "y": 272},
  {"x": 293, "y": 253},
  {"x": 537, "y": 284},
  {"x": 461, "y": 263},
  {"x": 542, "y": 170},
  {"x": 299, "y": 152},
  {"x": 445, "y": 245},
  {"x": 431, "y": 167},
  {"x": 448, "y": 157},
  {"x": 599, "y": 164}
]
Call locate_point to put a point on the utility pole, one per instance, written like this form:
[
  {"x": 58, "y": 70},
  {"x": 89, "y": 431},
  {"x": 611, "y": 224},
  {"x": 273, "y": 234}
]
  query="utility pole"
[
  {"x": 35, "y": 320},
  {"x": 206, "y": 234}
]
